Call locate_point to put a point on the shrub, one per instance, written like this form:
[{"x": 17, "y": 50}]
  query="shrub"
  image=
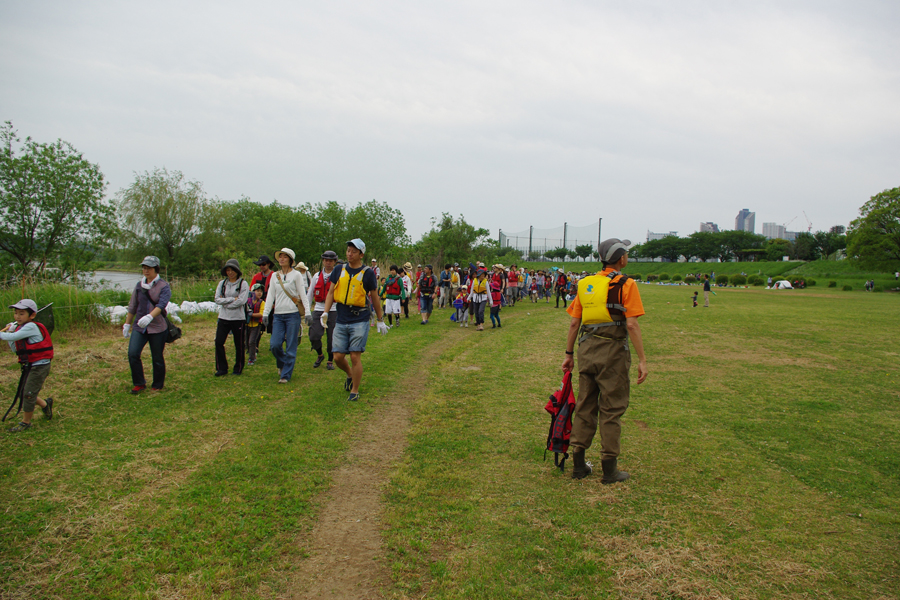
[
  {"x": 676, "y": 278},
  {"x": 721, "y": 279},
  {"x": 877, "y": 288},
  {"x": 690, "y": 279},
  {"x": 638, "y": 276},
  {"x": 759, "y": 281},
  {"x": 832, "y": 284},
  {"x": 779, "y": 278},
  {"x": 847, "y": 288},
  {"x": 663, "y": 276},
  {"x": 652, "y": 277},
  {"x": 810, "y": 282},
  {"x": 738, "y": 280}
]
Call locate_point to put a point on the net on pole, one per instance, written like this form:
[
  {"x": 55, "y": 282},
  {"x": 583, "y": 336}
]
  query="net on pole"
[{"x": 539, "y": 241}]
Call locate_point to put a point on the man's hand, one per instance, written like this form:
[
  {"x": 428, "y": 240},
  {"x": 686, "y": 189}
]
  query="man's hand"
[
  {"x": 382, "y": 327},
  {"x": 642, "y": 371},
  {"x": 568, "y": 364},
  {"x": 144, "y": 321},
  {"x": 126, "y": 330}
]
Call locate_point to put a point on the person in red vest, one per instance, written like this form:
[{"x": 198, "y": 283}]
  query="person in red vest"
[
  {"x": 318, "y": 291},
  {"x": 31, "y": 341}
]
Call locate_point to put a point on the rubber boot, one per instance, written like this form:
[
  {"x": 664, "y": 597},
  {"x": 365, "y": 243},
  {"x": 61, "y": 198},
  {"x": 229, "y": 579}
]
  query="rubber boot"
[
  {"x": 581, "y": 467},
  {"x": 611, "y": 473}
]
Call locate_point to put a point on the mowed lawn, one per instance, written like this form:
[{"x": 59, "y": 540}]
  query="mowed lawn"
[{"x": 764, "y": 452}]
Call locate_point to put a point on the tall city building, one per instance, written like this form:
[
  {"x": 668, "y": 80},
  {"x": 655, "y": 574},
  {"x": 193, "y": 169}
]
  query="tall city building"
[
  {"x": 773, "y": 231},
  {"x": 709, "y": 226},
  {"x": 745, "y": 221},
  {"x": 659, "y": 236}
]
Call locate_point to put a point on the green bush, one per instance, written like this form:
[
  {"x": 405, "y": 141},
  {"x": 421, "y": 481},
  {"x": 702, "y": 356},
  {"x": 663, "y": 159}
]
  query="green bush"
[
  {"x": 638, "y": 276},
  {"x": 759, "y": 281},
  {"x": 663, "y": 276},
  {"x": 721, "y": 279},
  {"x": 847, "y": 288},
  {"x": 779, "y": 278},
  {"x": 877, "y": 288},
  {"x": 810, "y": 282},
  {"x": 690, "y": 279},
  {"x": 652, "y": 277},
  {"x": 676, "y": 278},
  {"x": 738, "y": 280},
  {"x": 832, "y": 284}
]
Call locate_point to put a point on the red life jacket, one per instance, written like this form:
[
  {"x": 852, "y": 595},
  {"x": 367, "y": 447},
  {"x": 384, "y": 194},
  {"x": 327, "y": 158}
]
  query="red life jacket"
[
  {"x": 513, "y": 278},
  {"x": 320, "y": 290},
  {"x": 394, "y": 286},
  {"x": 561, "y": 281},
  {"x": 426, "y": 286},
  {"x": 560, "y": 406},
  {"x": 496, "y": 296},
  {"x": 31, "y": 353}
]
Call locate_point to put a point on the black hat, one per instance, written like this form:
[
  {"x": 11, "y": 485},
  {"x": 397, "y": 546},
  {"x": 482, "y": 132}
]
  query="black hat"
[
  {"x": 330, "y": 255},
  {"x": 232, "y": 263},
  {"x": 263, "y": 260}
]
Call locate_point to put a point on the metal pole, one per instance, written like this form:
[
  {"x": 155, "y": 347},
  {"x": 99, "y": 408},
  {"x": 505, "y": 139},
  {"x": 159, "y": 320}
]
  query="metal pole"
[
  {"x": 599, "y": 238},
  {"x": 530, "y": 234},
  {"x": 565, "y": 230}
]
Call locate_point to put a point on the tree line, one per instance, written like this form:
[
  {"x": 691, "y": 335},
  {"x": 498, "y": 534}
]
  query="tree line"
[
  {"x": 742, "y": 246},
  {"x": 55, "y": 218}
]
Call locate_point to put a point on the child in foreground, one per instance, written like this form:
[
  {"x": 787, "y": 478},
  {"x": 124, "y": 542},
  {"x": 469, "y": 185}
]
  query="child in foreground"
[
  {"x": 31, "y": 341},
  {"x": 461, "y": 304},
  {"x": 695, "y": 299},
  {"x": 254, "y": 328}
]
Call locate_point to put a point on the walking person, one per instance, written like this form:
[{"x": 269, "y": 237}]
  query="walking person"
[
  {"x": 30, "y": 340},
  {"x": 149, "y": 299},
  {"x": 479, "y": 298},
  {"x": 408, "y": 284},
  {"x": 231, "y": 296},
  {"x": 255, "y": 327},
  {"x": 454, "y": 282},
  {"x": 263, "y": 277},
  {"x": 561, "y": 284},
  {"x": 395, "y": 292},
  {"x": 604, "y": 317},
  {"x": 318, "y": 291},
  {"x": 706, "y": 291},
  {"x": 287, "y": 295},
  {"x": 427, "y": 285},
  {"x": 444, "y": 284},
  {"x": 352, "y": 285}
]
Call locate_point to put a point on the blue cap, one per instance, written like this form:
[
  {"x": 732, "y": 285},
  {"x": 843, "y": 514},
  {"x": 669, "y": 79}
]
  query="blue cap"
[{"x": 358, "y": 244}]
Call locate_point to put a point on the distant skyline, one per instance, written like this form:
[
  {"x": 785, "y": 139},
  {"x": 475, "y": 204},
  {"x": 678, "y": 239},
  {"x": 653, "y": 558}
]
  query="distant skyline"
[{"x": 652, "y": 115}]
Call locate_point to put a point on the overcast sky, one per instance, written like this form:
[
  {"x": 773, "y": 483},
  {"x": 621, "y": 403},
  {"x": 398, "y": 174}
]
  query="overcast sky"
[{"x": 650, "y": 115}]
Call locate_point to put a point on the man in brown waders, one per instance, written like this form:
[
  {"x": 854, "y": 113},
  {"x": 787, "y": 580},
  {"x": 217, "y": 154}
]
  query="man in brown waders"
[{"x": 604, "y": 316}]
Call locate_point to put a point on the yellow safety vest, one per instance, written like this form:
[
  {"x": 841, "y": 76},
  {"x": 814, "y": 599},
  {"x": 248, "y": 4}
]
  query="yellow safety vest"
[
  {"x": 594, "y": 296},
  {"x": 349, "y": 290},
  {"x": 479, "y": 286}
]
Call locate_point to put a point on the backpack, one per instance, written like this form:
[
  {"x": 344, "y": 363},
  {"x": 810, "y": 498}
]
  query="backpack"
[{"x": 560, "y": 406}]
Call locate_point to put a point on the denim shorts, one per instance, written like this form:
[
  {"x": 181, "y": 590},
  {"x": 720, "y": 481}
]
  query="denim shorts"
[{"x": 350, "y": 337}]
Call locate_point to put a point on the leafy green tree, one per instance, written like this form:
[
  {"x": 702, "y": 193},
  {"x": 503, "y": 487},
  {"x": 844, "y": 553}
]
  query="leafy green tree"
[
  {"x": 805, "y": 247},
  {"x": 451, "y": 240},
  {"x": 583, "y": 251},
  {"x": 702, "y": 245},
  {"x": 161, "y": 213},
  {"x": 668, "y": 247},
  {"x": 381, "y": 227},
  {"x": 777, "y": 249},
  {"x": 875, "y": 236},
  {"x": 732, "y": 244},
  {"x": 51, "y": 205},
  {"x": 829, "y": 242}
]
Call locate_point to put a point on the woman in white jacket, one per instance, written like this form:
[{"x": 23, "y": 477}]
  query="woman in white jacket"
[
  {"x": 287, "y": 293},
  {"x": 231, "y": 296}
]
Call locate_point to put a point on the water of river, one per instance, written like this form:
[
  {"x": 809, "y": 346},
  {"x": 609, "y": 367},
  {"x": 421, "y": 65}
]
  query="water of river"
[{"x": 115, "y": 280}]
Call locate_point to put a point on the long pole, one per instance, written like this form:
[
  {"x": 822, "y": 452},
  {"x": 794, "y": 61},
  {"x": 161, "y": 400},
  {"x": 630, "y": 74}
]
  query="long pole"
[
  {"x": 599, "y": 236},
  {"x": 565, "y": 230},
  {"x": 530, "y": 234}
]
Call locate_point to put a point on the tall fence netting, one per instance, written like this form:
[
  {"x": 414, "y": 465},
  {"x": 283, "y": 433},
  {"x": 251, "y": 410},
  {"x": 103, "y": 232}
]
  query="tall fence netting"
[{"x": 536, "y": 242}]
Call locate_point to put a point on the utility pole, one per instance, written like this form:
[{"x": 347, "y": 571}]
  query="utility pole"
[
  {"x": 530, "y": 234},
  {"x": 599, "y": 236}
]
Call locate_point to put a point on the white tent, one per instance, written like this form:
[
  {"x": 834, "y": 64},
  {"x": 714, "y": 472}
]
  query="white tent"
[{"x": 784, "y": 285}]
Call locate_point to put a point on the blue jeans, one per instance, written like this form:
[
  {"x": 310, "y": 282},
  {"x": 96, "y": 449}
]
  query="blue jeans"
[
  {"x": 285, "y": 331},
  {"x": 350, "y": 337},
  {"x": 136, "y": 345}
]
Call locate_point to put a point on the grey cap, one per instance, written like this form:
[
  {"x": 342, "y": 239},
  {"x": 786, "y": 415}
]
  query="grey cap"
[
  {"x": 150, "y": 261},
  {"x": 358, "y": 244},
  {"x": 25, "y": 304},
  {"x": 232, "y": 263},
  {"x": 611, "y": 250},
  {"x": 330, "y": 255}
]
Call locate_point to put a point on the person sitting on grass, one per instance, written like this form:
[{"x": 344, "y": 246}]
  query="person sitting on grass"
[{"x": 31, "y": 341}]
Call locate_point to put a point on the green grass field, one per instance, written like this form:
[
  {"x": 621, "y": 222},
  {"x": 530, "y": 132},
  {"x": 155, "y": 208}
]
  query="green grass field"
[{"x": 764, "y": 451}]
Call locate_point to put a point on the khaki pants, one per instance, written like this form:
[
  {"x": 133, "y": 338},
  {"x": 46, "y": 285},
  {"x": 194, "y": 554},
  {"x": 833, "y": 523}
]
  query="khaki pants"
[
  {"x": 706, "y": 299},
  {"x": 603, "y": 392}
]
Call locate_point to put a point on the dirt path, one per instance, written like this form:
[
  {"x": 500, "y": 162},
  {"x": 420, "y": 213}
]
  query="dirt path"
[{"x": 346, "y": 541}]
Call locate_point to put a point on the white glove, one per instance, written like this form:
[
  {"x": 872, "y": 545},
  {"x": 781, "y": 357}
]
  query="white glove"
[
  {"x": 309, "y": 320},
  {"x": 382, "y": 327},
  {"x": 126, "y": 330},
  {"x": 144, "y": 321},
  {"x": 324, "y": 320}
]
